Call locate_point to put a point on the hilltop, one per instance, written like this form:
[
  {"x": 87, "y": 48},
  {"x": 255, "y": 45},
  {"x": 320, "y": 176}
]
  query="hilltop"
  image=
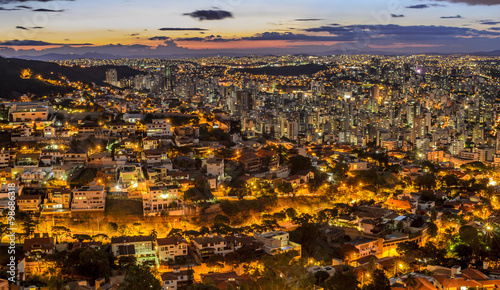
[{"x": 12, "y": 85}]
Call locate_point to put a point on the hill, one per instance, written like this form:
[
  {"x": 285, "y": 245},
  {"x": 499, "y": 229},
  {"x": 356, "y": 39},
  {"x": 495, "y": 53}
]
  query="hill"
[{"x": 12, "y": 85}]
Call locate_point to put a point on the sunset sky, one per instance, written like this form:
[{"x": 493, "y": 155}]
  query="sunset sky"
[{"x": 159, "y": 27}]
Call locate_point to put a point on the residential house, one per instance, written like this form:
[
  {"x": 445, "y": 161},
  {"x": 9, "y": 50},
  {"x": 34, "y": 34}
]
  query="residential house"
[
  {"x": 141, "y": 247},
  {"x": 88, "y": 198},
  {"x": 172, "y": 248}
]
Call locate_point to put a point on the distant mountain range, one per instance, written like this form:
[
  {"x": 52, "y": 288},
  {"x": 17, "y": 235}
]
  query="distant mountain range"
[
  {"x": 12, "y": 85},
  {"x": 96, "y": 55}
]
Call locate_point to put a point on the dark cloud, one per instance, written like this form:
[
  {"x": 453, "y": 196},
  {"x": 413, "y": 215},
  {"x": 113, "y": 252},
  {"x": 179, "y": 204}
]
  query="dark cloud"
[
  {"x": 210, "y": 14},
  {"x": 47, "y": 10},
  {"x": 182, "y": 29},
  {"x": 8, "y": 9},
  {"x": 23, "y": 7},
  {"x": 159, "y": 38},
  {"x": 474, "y": 2},
  {"x": 209, "y": 38},
  {"x": 423, "y": 6},
  {"x": 451, "y": 17},
  {"x": 494, "y": 28},
  {"x": 397, "y": 15},
  {"x": 36, "y": 43},
  {"x": 134, "y": 34},
  {"x": 399, "y": 33},
  {"x": 308, "y": 19},
  {"x": 489, "y": 22},
  {"x": 26, "y": 28},
  {"x": 419, "y": 6}
]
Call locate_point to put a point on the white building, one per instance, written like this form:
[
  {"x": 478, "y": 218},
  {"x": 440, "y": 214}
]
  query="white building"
[
  {"x": 215, "y": 167},
  {"x": 276, "y": 241},
  {"x": 89, "y": 198},
  {"x": 210, "y": 245},
  {"x": 159, "y": 198},
  {"x": 172, "y": 248},
  {"x": 141, "y": 247},
  {"x": 159, "y": 128}
]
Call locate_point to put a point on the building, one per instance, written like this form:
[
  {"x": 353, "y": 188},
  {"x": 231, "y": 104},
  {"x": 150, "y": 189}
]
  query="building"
[
  {"x": 366, "y": 246},
  {"x": 141, "y": 247},
  {"x": 37, "y": 246},
  {"x": 112, "y": 77},
  {"x": 29, "y": 203},
  {"x": 58, "y": 201},
  {"x": 159, "y": 128},
  {"x": 160, "y": 198},
  {"x": 27, "y": 112},
  {"x": 275, "y": 242},
  {"x": 172, "y": 248},
  {"x": 215, "y": 167},
  {"x": 210, "y": 245},
  {"x": 88, "y": 198},
  {"x": 177, "y": 278}
]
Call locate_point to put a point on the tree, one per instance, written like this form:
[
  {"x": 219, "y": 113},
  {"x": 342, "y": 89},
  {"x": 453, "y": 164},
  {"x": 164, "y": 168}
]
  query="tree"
[
  {"x": 93, "y": 264},
  {"x": 379, "y": 281},
  {"x": 154, "y": 234},
  {"x": 82, "y": 237},
  {"x": 464, "y": 252},
  {"x": 60, "y": 232},
  {"x": 112, "y": 227},
  {"x": 298, "y": 163},
  {"x": 221, "y": 219},
  {"x": 139, "y": 277},
  {"x": 342, "y": 281},
  {"x": 321, "y": 277},
  {"x": 215, "y": 261},
  {"x": 410, "y": 281},
  {"x": 126, "y": 261},
  {"x": 450, "y": 180},
  {"x": 468, "y": 235},
  {"x": 285, "y": 188},
  {"x": 29, "y": 225},
  {"x": 427, "y": 181}
]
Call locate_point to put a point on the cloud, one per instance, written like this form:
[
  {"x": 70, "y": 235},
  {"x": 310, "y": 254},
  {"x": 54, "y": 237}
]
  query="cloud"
[
  {"x": 494, "y": 28},
  {"x": 134, "y": 34},
  {"x": 474, "y": 2},
  {"x": 23, "y": 7},
  {"x": 398, "y": 32},
  {"x": 182, "y": 29},
  {"x": 210, "y": 14},
  {"x": 209, "y": 38},
  {"x": 25, "y": 28},
  {"x": 419, "y": 6},
  {"x": 397, "y": 15},
  {"x": 159, "y": 38},
  {"x": 47, "y": 10},
  {"x": 36, "y": 43},
  {"x": 308, "y": 19},
  {"x": 22, "y": 1},
  {"x": 489, "y": 22},
  {"x": 451, "y": 17},
  {"x": 8, "y": 9}
]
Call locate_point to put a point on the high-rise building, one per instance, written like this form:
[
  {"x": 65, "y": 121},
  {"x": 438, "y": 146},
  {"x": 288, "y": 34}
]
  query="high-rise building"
[{"x": 112, "y": 77}]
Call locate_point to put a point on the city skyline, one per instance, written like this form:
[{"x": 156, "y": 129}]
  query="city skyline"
[{"x": 166, "y": 28}]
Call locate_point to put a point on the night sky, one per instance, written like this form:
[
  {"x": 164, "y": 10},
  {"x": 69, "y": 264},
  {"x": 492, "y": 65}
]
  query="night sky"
[{"x": 159, "y": 27}]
